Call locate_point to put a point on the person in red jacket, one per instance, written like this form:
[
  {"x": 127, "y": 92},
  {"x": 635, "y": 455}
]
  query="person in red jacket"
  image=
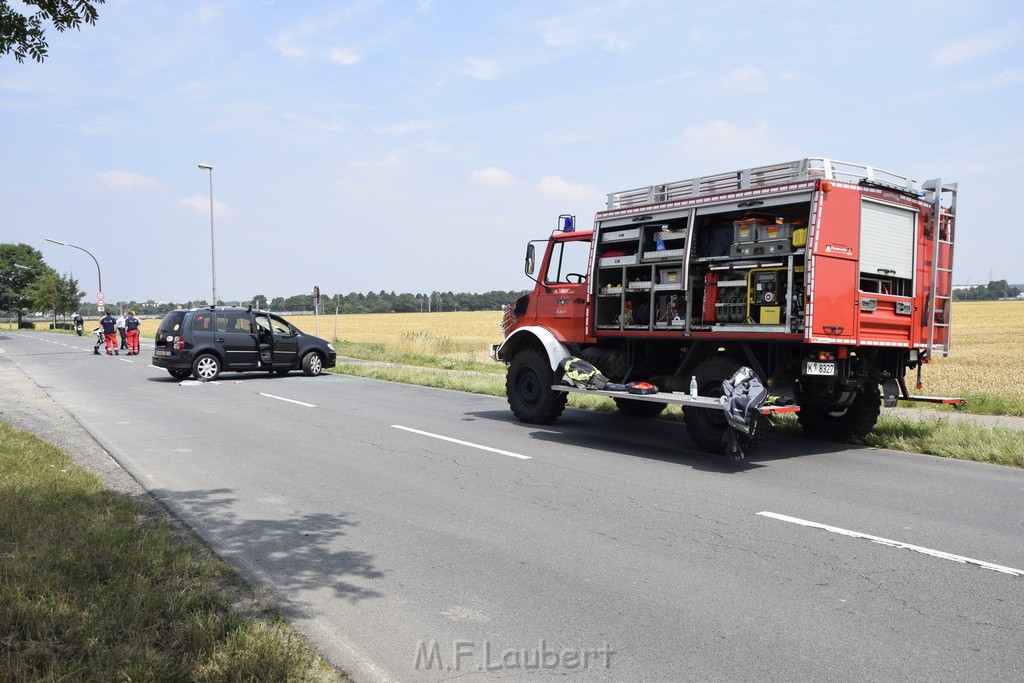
[
  {"x": 109, "y": 325},
  {"x": 131, "y": 326}
]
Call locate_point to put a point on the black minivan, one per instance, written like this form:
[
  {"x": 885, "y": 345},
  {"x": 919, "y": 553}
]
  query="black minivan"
[{"x": 206, "y": 341}]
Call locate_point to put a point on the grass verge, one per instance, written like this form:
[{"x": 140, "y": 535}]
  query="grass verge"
[
  {"x": 936, "y": 436},
  {"x": 93, "y": 588}
]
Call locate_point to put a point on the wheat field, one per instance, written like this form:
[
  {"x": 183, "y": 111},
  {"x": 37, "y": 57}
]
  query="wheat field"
[{"x": 988, "y": 342}]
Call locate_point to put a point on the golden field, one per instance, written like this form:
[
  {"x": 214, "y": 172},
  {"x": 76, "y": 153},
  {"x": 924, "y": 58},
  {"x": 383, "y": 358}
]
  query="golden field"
[
  {"x": 987, "y": 345},
  {"x": 988, "y": 342}
]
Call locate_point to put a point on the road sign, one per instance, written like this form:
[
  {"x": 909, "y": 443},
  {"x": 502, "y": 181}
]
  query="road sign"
[
  {"x": 99, "y": 308},
  {"x": 99, "y": 296}
]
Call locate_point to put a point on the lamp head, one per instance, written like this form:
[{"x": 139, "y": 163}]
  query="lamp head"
[{"x": 206, "y": 167}]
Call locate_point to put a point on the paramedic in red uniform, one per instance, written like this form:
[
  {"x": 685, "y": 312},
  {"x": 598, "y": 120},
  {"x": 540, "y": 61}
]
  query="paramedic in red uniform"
[
  {"x": 131, "y": 326},
  {"x": 109, "y": 325}
]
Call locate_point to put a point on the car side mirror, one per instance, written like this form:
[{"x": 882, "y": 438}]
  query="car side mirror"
[{"x": 530, "y": 258}]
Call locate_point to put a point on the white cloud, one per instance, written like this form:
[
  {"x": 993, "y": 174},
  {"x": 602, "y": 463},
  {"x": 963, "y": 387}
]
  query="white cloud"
[
  {"x": 288, "y": 45},
  {"x": 344, "y": 56},
  {"x": 209, "y": 13},
  {"x": 306, "y": 37},
  {"x": 485, "y": 69},
  {"x": 724, "y": 144},
  {"x": 402, "y": 127},
  {"x": 556, "y": 187},
  {"x": 970, "y": 48},
  {"x": 747, "y": 78},
  {"x": 1001, "y": 79},
  {"x": 387, "y": 163},
  {"x": 125, "y": 180},
  {"x": 491, "y": 177},
  {"x": 200, "y": 203},
  {"x": 593, "y": 25}
]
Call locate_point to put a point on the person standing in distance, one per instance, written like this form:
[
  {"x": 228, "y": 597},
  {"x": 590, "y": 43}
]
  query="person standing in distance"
[
  {"x": 121, "y": 330},
  {"x": 109, "y": 325},
  {"x": 131, "y": 326}
]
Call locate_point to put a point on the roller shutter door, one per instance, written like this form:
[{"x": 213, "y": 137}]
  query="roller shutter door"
[{"x": 887, "y": 240}]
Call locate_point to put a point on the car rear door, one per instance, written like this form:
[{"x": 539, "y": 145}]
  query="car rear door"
[{"x": 237, "y": 340}]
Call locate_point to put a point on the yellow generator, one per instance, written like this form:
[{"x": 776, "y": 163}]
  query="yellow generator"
[{"x": 766, "y": 292}]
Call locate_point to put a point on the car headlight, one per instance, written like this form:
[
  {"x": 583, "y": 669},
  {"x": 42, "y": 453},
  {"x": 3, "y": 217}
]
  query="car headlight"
[{"x": 330, "y": 346}]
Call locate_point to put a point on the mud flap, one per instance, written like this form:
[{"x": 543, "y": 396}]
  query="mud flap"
[{"x": 890, "y": 393}]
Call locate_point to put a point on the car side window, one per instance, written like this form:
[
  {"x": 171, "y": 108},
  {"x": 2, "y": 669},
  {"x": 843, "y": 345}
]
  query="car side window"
[
  {"x": 201, "y": 323},
  {"x": 235, "y": 321},
  {"x": 280, "y": 326},
  {"x": 262, "y": 324}
]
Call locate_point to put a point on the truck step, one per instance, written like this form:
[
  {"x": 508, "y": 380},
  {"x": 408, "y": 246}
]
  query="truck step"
[{"x": 671, "y": 398}]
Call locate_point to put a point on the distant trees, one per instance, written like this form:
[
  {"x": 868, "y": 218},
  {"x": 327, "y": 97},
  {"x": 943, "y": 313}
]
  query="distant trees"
[
  {"x": 391, "y": 302},
  {"x": 995, "y": 289},
  {"x": 55, "y": 293},
  {"x": 20, "y": 265}
]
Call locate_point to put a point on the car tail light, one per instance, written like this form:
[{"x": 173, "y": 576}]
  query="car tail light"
[{"x": 179, "y": 343}]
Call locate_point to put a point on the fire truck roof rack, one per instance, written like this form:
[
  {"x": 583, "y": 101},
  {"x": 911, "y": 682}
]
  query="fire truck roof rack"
[{"x": 811, "y": 168}]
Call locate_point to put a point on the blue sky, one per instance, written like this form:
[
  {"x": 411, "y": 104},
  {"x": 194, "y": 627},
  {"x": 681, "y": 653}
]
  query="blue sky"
[{"x": 417, "y": 145}]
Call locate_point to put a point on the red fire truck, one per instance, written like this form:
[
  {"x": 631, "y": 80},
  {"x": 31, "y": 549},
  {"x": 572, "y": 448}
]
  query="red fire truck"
[{"x": 830, "y": 280}]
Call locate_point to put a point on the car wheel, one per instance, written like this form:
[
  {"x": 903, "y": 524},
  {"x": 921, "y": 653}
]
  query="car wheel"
[
  {"x": 180, "y": 374},
  {"x": 312, "y": 364},
  {"x": 206, "y": 367}
]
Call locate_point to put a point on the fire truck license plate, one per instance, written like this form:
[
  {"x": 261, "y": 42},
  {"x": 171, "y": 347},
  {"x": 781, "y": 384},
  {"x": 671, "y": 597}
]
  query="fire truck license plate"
[{"x": 811, "y": 368}]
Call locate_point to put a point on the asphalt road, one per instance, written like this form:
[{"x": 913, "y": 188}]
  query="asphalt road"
[{"x": 423, "y": 534}]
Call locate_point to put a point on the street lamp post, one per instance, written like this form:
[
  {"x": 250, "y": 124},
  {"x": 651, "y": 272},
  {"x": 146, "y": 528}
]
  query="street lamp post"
[
  {"x": 213, "y": 260},
  {"x": 99, "y": 276}
]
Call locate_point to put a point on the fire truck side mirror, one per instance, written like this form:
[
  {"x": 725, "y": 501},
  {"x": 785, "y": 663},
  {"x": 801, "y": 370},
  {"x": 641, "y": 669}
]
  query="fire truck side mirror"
[{"x": 530, "y": 255}]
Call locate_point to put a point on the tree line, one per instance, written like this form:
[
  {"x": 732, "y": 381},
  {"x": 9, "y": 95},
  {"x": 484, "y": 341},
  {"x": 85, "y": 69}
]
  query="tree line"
[
  {"x": 28, "y": 285},
  {"x": 995, "y": 289}
]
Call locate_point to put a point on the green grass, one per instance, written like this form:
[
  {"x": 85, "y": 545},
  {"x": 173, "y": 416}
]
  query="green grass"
[
  {"x": 979, "y": 404},
  {"x": 93, "y": 588},
  {"x": 936, "y": 436}
]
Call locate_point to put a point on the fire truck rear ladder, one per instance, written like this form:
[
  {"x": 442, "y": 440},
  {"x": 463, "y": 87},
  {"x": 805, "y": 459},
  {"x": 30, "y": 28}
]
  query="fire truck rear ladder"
[
  {"x": 938, "y": 311},
  {"x": 942, "y": 228}
]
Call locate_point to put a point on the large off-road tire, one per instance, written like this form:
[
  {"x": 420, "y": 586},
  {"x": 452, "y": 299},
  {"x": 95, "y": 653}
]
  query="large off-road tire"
[
  {"x": 633, "y": 408},
  {"x": 842, "y": 424},
  {"x": 206, "y": 367},
  {"x": 528, "y": 387},
  {"x": 707, "y": 426},
  {"x": 312, "y": 364}
]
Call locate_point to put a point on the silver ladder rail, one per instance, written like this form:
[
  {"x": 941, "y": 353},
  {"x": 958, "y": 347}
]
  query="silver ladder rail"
[
  {"x": 942, "y": 223},
  {"x": 810, "y": 168}
]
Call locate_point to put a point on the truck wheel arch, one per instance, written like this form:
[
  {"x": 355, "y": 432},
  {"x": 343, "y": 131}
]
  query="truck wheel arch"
[{"x": 534, "y": 336}]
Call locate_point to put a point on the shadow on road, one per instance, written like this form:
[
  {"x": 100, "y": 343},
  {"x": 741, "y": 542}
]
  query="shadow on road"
[
  {"x": 300, "y": 554},
  {"x": 657, "y": 439}
]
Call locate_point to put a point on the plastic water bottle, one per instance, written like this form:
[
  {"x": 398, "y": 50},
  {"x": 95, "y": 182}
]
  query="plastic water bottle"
[{"x": 693, "y": 386}]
